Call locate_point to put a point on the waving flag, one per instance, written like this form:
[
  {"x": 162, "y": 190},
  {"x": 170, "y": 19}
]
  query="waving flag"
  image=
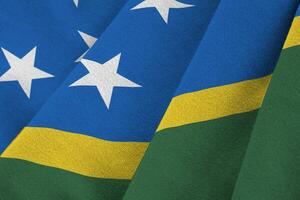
[
  {"x": 94, "y": 130},
  {"x": 203, "y": 136},
  {"x": 270, "y": 169},
  {"x": 89, "y": 85},
  {"x": 39, "y": 43}
]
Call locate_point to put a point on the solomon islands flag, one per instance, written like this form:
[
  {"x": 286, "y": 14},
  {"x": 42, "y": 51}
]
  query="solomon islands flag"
[
  {"x": 40, "y": 40},
  {"x": 195, "y": 71},
  {"x": 270, "y": 169},
  {"x": 93, "y": 131},
  {"x": 203, "y": 136}
]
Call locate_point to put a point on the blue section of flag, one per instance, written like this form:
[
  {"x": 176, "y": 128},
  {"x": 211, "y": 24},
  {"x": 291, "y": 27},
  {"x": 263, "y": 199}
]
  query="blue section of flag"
[
  {"x": 154, "y": 55},
  {"x": 298, "y": 12},
  {"x": 243, "y": 42},
  {"x": 52, "y": 27}
]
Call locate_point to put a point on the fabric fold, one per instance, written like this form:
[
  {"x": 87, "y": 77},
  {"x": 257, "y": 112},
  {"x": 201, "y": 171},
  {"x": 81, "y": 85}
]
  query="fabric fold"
[
  {"x": 161, "y": 106},
  {"x": 40, "y": 43},
  {"x": 201, "y": 141},
  {"x": 270, "y": 169},
  {"x": 96, "y": 127}
]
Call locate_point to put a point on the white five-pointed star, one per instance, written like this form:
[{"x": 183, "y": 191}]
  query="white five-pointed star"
[
  {"x": 76, "y": 2},
  {"x": 23, "y": 70},
  {"x": 89, "y": 41},
  {"x": 104, "y": 77},
  {"x": 162, "y": 6}
]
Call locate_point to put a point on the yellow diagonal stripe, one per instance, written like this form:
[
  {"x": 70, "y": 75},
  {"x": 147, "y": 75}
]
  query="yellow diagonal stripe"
[
  {"x": 215, "y": 102},
  {"x": 293, "y": 38},
  {"x": 77, "y": 153}
]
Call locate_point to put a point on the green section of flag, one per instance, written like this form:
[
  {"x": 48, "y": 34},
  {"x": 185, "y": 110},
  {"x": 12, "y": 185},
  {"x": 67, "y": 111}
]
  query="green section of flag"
[
  {"x": 271, "y": 169},
  {"x": 22, "y": 180},
  {"x": 196, "y": 161}
]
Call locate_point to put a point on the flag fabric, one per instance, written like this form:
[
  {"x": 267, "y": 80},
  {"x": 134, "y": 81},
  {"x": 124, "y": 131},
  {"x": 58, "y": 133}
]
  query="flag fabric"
[
  {"x": 270, "y": 169},
  {"x": 202, "y": 138},
  {"x": 40, "y": 42},
  {"x": 148, "y": 99},
  {"x": 93, "y": 131}
]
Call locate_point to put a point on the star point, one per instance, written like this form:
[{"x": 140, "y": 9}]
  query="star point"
[
  {"x": 104, "y": 77},
  {"x": 89, "y": 41},
  {"x": 162, "y": 6},
  {"x": 23, "y": 70},
  {"x": 76, "y": 2}
]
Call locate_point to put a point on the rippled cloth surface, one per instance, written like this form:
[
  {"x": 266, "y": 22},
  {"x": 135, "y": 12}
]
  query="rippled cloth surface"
[{"x": 148, "y": 99}]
